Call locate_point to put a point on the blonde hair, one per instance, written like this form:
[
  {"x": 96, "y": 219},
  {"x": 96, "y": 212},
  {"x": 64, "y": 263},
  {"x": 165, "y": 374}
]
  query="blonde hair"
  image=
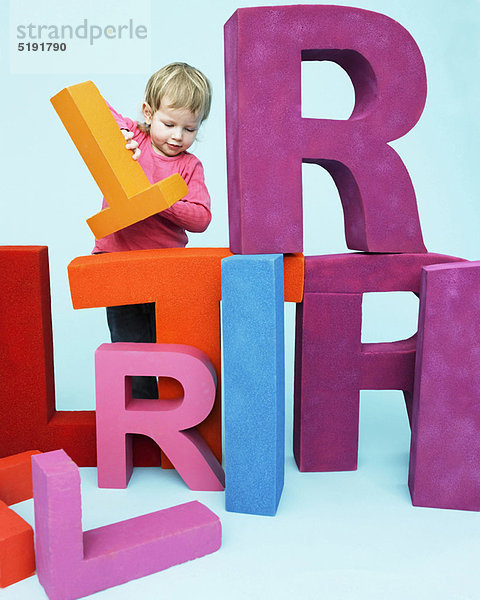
[{"x": 183, "y": 85}]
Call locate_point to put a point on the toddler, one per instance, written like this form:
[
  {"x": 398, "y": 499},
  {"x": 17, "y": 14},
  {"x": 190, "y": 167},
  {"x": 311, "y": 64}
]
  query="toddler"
[{"x": 177, "y": 101}]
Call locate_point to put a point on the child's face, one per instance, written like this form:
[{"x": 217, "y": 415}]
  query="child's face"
[{"x": 172, "y": 130}]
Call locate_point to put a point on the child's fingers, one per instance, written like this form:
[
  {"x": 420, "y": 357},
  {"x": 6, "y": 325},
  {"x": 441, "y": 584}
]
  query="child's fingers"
[
  {"x": 132, "y": 144},
  {"x": 135, "y": 149}
]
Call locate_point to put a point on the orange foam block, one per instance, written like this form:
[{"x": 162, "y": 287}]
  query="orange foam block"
[
  {"x": 127, "y": 190},
  {"x": 293, "y": 277},
  {"x": 16, "y": 477},
  {"x": 114, "y": 279},
  {"x": 17, "y": 555},
  {"x": 185, "y": 284}
]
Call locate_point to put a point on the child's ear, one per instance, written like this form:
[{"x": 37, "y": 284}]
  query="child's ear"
[{"x": 147, "y": 113}]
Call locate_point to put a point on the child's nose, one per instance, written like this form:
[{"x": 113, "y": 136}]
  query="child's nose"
[{"x": 177, "y": 133}]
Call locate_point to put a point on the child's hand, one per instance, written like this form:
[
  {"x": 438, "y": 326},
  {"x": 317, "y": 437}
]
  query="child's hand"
[{"x": 132, "y": 144}]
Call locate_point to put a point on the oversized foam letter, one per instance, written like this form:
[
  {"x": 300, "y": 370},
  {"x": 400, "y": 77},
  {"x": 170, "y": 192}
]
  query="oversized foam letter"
[
  {"x": 170, "y": 423},
  {"x": 28, "y": 418},
  {"x": 129, "y": 194},
  {"x": 331, "y": 363},
  {"x": 17, "y": 555},
  {"x": 185, "y": 284},
  {"x": 254, "y": 382},
  {"x": 267, "y": 138},
  {"x": 72, "y": 563},
  {"x": 445, "y": 447}
]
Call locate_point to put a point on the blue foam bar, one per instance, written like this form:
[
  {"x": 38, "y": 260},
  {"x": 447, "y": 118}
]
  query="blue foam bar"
[{"x": 254, "y": 382}]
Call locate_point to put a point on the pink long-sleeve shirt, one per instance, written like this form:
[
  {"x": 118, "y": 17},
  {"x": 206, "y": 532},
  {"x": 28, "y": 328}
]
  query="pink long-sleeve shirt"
[{"x": 166, "y": 229}]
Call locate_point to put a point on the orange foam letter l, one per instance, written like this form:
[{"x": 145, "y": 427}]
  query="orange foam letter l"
[{"x": 127, "y": 190}]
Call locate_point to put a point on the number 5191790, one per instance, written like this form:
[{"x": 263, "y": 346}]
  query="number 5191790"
[{"x": 42, "y": 46}]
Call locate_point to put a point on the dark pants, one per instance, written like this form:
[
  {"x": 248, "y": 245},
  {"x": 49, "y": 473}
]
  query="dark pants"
[{"x": 135, "y": 323}]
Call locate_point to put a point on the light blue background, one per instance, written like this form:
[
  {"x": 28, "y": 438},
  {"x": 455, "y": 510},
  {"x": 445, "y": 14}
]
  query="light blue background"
[{"x": 337, "y": 536}]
